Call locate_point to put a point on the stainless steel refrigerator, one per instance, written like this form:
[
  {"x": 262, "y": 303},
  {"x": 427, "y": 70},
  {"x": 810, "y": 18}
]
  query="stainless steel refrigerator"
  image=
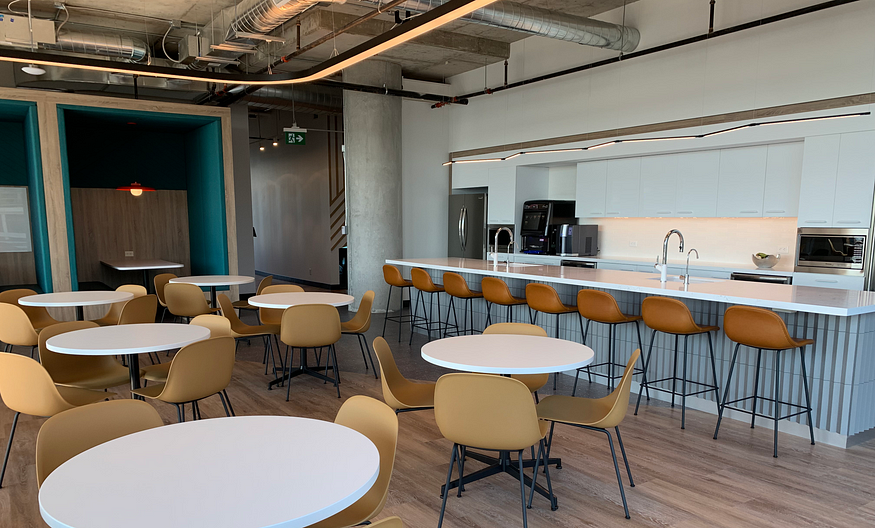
[{"x": 467, "y": 226}]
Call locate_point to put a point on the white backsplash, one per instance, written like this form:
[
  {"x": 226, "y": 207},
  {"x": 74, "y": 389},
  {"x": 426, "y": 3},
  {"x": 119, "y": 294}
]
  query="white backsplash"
[{"x": 718, "y": 240}]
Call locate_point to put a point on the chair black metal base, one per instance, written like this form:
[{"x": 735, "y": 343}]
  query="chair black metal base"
[
  {"x": 611, "y": 375},
  {"x": 428, "y": 324},
  {"x": 509, "y": 312},
  {"x": 806, "y": 409},
  {"x": 402, "y": 319},
  {"x": 467, "y": 317},
  {"x": 683, "y": 393},
  {"x": 363, "y": 345},
  {"x": 303, "y": 368}
]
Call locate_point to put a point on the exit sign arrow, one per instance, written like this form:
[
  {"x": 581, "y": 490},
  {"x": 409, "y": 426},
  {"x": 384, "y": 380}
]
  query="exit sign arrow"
[{"x": 296, "y": 136}]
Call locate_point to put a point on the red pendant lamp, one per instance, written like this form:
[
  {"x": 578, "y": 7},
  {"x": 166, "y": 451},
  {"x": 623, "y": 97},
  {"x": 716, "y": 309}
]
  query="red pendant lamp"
[{"x": 135, "y": 188}]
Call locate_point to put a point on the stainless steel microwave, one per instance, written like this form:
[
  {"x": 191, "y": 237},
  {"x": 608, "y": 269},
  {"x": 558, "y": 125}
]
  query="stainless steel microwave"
[{"x": 831, "y": 250}]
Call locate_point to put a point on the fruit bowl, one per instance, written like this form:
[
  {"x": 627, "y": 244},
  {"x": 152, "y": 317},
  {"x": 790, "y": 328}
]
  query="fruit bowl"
[{"x": 764, "y": 261}]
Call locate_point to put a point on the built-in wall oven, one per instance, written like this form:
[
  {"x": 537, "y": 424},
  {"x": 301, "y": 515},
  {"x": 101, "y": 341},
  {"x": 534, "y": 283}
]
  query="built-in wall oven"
[{"x": 831, "y": 250}]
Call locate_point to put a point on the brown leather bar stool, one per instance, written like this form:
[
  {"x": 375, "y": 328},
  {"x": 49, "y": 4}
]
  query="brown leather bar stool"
[
  {"x": 671, "y": 316},
  {"x": 543, "y": 298},
  {"x": 495, "y": 291},
  {"x": 423, "y": 284},
  {"x": 763, "y": 330},
  {"x": 457, "y": 288},
  {"x": 601, "y": 307},
  {"x": 392, "y": 276}
]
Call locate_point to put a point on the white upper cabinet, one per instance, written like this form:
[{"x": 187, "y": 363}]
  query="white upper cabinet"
[
  {"x": 658, "y": 190},
  {"x": 783, "y": 172},
  {"x": 855, "y": 180},
  {"x": 820, "y": 161},
  {"x": 697, "y": 181},
  {"x": 624, "y": 176},
  {"x": 591, "y": 189},
  {"x": 502, "y": 196},
  {"x": 742, "y": 181},
  {"x": 470, "y": 175}
]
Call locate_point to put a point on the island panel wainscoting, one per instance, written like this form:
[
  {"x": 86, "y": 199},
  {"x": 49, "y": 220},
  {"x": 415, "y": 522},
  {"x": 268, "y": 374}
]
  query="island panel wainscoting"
[{"x": 840, "y": 364}]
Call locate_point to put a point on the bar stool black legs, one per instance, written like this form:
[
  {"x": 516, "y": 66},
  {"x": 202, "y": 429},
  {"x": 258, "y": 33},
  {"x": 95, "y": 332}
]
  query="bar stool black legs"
[
  {"x": 611, "y": 363},
  {"x": 428, "y": 323}
]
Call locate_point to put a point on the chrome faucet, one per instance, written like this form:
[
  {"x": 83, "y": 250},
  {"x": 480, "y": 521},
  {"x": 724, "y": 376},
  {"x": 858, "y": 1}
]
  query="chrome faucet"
[
  {"x": 509, "y": 245},
  {"x": 665, "y": 245},
  {"x": 687, "y": 271}
]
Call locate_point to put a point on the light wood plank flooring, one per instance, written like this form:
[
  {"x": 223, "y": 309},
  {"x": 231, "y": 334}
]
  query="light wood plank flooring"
[{"x": 683, "y": 479}]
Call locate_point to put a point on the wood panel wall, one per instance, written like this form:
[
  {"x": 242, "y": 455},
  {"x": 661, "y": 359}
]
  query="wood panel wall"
[
  {"x": 107, "y": 223},
  {"x": 17, "y": 268}
]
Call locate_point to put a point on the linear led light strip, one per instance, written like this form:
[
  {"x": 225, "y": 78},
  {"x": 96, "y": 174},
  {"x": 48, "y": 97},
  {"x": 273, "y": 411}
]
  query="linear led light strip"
[
  {"x": 667, "y": 138},
  {"x": 409, "y": 30}
]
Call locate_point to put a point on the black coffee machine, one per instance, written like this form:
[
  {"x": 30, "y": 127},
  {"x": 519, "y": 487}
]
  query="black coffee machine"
[{"x": 540, "y": 222}]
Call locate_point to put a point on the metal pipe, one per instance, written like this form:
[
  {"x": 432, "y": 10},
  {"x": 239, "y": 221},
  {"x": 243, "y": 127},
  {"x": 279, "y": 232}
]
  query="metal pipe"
[{"x": 104, "y": 44}]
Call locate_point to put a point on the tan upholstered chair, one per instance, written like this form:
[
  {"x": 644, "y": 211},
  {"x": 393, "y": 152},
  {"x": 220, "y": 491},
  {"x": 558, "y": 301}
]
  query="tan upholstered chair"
[
  {"x": 544, "y": 298},
  {"x": 243, "y": 304},
  {"x": 38, "y": 315},
  {"x": 599, "y": 414},
  {"x": 198, "y": 371},
  {"x": 399, "y": 393},
  {"x": 274, "y": 316},
  {"x": 376, "y": 421},
  {"x": 160, "y": 281},
  {"x": 392, "y": 276},
  {"x": 26, "y": 387},
  {"x": 312, "y": 326},
  {"x": 115, "y": 309},
  {"x": 71, "y": 432},
  {"x": 457, "y": 288},
  {"x": 360, "y": 324},
  {"x": 533, "y": 381},
  {"x": 16, "y": 328},
  {"x": 423, "y": 284},
  {"x": 218, "y": 327},
  {"x": 495, "y": 291},
  {"x": 239, "y": 329},
  {"x": 186, "y": 300},
  {"x": 84, "y": 372},
  {"x": 764, "y": 330},
  {"x": 492, "y": 413},
  {"x": 140, "y": 310}
]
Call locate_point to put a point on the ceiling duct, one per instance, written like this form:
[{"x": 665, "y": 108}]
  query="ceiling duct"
[
  {"x": 298, "y": 98},
  {"x": 103, "y": 44},
  {"x": 542, "y": 22}
]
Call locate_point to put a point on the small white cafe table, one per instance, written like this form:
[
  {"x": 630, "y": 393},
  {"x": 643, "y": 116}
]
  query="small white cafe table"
[
  {"x": 506, "y": 354},
  {"x": 133, "y": 264},
  {"x": 281, "y": 301},
  {"x": 214, "y": 473},
  {"x": 214, "y": 281},
  {"x": 77, "y": 299},
  {"x": 130, "y": 339}
]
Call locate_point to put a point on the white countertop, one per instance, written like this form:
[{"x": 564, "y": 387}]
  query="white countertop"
[
  {"x": 783, "y": 267},
  {"x": 829, "y": 301}
]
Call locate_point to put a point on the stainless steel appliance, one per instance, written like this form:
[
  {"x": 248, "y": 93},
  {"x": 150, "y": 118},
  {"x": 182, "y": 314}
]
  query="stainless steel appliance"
[
  {"x": 540, "y": 221},
  {"x": 578, "y": 264},
  {"x": 761, "y": 277},
  {"x": 467, "y": 226},
  {"x": 577, "y": 240},
  {"x": 831, "y": 250},
  {"x": 504, "y": 238}
]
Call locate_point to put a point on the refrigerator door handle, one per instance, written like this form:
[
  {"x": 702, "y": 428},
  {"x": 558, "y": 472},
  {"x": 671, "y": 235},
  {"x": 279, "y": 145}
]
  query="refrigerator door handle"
[
  {"x": 464, "y": 228},
  {"x": 461, "y": 216}
]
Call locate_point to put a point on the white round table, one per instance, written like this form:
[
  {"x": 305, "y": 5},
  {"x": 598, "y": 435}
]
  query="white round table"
[
  {"x": 77, "y": 299},
  {"x": 213, "y": 281},
  {"x": 507, "y": 354},
  {"x": 214, "y": 473},
  {"x": 284, "y": 300},
  {"x": 130, "y": 339}
]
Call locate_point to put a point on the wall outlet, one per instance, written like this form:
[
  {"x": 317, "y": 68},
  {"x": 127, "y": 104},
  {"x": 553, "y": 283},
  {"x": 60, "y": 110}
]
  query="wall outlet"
[
  {"x": 311, "y": 271},
  {"x": 633, "y": 243},
  {"x": 783, "y": 250},
  {"x": 129, "y": 253}
]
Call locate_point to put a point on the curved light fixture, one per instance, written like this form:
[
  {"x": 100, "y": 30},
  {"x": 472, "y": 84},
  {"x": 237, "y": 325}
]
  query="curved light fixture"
[
  {"x": 664, "y": 138},
  {"x": 410, "y": 29},
  {"x": 135, "y": 188},
  {"x": 31, "y": 69}
]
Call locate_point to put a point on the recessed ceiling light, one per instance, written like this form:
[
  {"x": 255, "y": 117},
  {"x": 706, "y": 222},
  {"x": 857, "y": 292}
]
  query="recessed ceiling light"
[{"x": 31, "y": 69}]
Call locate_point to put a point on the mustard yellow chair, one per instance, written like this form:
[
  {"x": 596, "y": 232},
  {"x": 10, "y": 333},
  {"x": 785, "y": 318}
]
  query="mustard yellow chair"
[
  {"x": 493, "y": 413},
  {"x": 16, "y": 328},
  {"x": 544, "y": 298},
  {"x": 599, "y": 414},
  {"x": 399, "y": 393},
  {"x": 360, "y": 324},
  {"x": 84, "y": 372},
  {"x": 243, "y": 304},
  {"x": 26, "y": 387},
  {"x": 392, "y": 276},
  {"x": 423, "y": 284},
  {"x": 71, "y": 432},
  {"x": 198, "y": 371},
  {"x": 495, "y": 291},
  {"x": 115, "y": 309},
  {"x": 140, "y": 310},
  {"x": 457, "y": 288},
  {"x": 186, "y": 300},
  {"x": 218, "y": 327},
  {"x": 241, "y": 330},
  {"x": 379, "y": 424},
  {"x": 274, "y": 316},
  {"x": 391, "y": 522},
  {"x": 311, "y": 326},
  {"x": 160, "y": 281},
  {"x": 533, "y": 381},
  {"x": 38, "y": 315}
]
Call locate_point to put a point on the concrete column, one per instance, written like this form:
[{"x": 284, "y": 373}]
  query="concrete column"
[
  {"x": 243, "y": 195},
  {"x": 372, "y": 139}
]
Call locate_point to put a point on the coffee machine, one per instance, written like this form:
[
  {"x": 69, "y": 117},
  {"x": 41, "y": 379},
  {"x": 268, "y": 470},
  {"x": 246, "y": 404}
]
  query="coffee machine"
[
  {"x": 577, "y": 240},
  {"x": 540, "y": 222}
]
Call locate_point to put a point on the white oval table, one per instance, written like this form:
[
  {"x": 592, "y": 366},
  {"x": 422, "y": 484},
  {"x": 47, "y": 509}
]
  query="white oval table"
[
  {"x": 144, "y": 265},
  {"x": 130, "y": 339},
  {"x": 214, "y": 281},
  {"x": 214, "y": 473},
  {"x": 77, "y": 299}
]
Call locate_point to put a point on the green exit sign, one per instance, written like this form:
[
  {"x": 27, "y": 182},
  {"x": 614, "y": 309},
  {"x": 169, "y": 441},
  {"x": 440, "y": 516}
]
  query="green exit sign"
[{"x": 296, "y": 137}]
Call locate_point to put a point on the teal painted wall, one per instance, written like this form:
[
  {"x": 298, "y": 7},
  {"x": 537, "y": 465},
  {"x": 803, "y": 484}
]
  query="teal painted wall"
[
  {"x": 206, "y": 200},
  {"x": 14, "y": 157}
]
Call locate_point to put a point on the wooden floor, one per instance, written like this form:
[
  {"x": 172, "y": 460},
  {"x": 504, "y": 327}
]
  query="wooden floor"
[{"x": 683, "y": 479}]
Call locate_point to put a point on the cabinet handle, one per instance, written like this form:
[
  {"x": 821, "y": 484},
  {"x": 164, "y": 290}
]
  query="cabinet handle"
[
  {"x": 685, "y": 212},
  {"x": 776, "y": 211},
  {"x": 613, "y": 212},
  {"x": 748, "y": 212},
  {"x": 824, "y": 280},
  {"x": 815, "y": 221},
  {"x": 663, "y": 212},
  {"x": 596, "y": 213},
  {"x": 848, "y": 222}
]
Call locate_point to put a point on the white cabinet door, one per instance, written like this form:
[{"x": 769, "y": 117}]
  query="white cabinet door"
[
  {"x": 783, "y": 176},
  {"x": 856, "y": 180},
  {"x": 820, "y": 159},
  {"x": 467, "y": 176},
  {"x": 624, "y": 178},
  {"x": 742, "y": 181},
  {"x": 502, "y": 196},
  {"x": 822, "y": 280},
  {"x": 591, "y": 189},
  {"x": 697, "y": 179},
  {"x": 658, "y": 191},
  {"x": 617, "y": 266}
]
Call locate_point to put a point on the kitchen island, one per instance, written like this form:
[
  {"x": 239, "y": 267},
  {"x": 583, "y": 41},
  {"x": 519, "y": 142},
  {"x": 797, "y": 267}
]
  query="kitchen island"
[{"x": 841, "y": 366}]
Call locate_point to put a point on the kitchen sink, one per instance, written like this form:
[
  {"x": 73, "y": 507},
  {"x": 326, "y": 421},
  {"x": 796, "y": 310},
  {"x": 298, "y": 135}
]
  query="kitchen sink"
[{"x": 693, "y": 280}]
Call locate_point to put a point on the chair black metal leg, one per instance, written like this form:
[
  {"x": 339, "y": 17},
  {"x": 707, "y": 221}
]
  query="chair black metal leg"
[
  {"x": 535, "y": 471},
  {"x": 807, "y": 396},
  {"x": 415, "y": 311},
  {"x": 646, "y": 365},
  {"x": 617, "y": 469},
  {"x": 228, "y": 401},
  {"x": 9, "y": 447},
  {"x": 370, "y": 357},
  {"x": 625, "y": 460},
  {"x": 610, "y": 358},
  {"x": 756, "y": 387},
  {"x": 461, "y": 462},
  {"x": 362, "y": 348},
  {"x": 585, "y": 335},
  {"x": 451, "y": 307},
  {"x": 641, "y": 348},
  {"x": 533, "y": 316},
  {"x": 713, "y": 366},
  {"x": 523, "y": 488},
  {"x": 289, "y": 362},
  {"x": 722, "y": 406},
  {"x": 674, "y": 374},
  {"x": 447, "y": 487},
  {"x": 684, "y": 385},
  {"x": 556, "y": 374},
  {"x": 439, "y": 314},
  {"x": 777, "y": 397},
  {"x": 179, "y": 416},
  {"x": 488, "y": 313},
  {"x": 386, "y": 318},
  {"x": 332, "y": 352},
  {"x": 225, "y": 405}
]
